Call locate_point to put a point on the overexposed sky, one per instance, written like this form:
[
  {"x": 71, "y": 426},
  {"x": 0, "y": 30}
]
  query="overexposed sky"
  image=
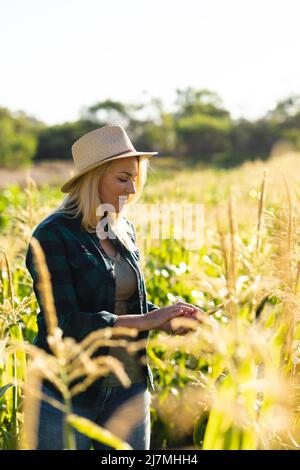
[{"x": 58, "y": 56}]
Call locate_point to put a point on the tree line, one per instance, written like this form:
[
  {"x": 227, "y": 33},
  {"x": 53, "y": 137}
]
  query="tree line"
[{"x": 199, "y": 129}]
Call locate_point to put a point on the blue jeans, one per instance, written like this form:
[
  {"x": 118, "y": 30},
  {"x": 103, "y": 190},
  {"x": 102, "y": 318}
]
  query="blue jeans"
[{"x": 129, "y": 422}]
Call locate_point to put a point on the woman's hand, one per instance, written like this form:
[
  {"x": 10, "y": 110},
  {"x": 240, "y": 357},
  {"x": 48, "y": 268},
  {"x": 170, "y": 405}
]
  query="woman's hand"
[
  {"x": 160, "y": 319},
  {"x": 195, "y": 315}
]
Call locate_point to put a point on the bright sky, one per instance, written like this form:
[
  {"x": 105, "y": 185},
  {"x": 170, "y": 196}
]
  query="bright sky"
[{"x": 58, "y": 56}]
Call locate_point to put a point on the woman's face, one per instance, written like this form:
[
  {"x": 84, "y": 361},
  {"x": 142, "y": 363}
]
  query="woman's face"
[{"x": 119, "y": 182}]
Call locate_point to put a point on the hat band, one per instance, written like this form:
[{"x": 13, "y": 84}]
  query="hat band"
[{"x": 118, "y": 154}]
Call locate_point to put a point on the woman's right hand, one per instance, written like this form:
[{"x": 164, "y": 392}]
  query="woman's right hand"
[{"x": 153, "y": 320}]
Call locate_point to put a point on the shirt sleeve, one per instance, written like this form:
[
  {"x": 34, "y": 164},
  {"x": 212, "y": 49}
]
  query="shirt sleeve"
[{"x": 71, "y": 319}]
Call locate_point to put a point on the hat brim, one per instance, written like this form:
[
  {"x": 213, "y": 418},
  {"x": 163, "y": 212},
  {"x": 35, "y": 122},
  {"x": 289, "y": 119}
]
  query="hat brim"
[{"x": 66, "y": 187}]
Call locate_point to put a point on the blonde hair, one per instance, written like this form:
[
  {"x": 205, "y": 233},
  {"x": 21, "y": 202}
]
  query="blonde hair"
[{"x": 84, "y": 199}]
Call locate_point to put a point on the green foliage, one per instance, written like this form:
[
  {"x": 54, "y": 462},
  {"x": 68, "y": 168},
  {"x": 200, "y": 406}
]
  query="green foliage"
[
  {"x": 18, "y": 139},
  {"x": 204, "y": 137},
  {"x": 238, "y": 364},
  {"x": 54, "y": 142},
  {"x": 192, "y": 102},
  {"x": 92, "y": 430},
  {"x": 200, "y": 428},
  {"x": 160, "y": 136},
  {"x": 109, "y": 111},
  {"x": 292, "y": 135},
  {"x": 252, "y": 140},
  {"x": 198, "y": 128}
]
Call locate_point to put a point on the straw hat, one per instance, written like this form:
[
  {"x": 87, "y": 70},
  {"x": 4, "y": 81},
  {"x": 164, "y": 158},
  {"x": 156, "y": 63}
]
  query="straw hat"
[{"x": 100, "y": 146}]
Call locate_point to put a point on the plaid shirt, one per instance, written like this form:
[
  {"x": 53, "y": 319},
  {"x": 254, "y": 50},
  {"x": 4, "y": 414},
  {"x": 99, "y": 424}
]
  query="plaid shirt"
[{"x": 83, "y": 282}]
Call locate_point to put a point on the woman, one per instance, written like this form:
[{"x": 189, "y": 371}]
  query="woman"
[{"x": 97, "y": 281}]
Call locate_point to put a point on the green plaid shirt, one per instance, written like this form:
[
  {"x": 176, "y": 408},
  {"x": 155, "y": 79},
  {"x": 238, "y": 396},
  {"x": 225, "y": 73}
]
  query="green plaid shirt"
[{"x": 83, "y": 281}]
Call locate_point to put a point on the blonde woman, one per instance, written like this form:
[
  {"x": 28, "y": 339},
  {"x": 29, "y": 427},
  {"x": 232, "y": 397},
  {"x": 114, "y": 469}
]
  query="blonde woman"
[{"x": 97, "y": 281}]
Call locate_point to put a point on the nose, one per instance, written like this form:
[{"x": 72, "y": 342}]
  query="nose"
[{"x": 131, "y": 187}]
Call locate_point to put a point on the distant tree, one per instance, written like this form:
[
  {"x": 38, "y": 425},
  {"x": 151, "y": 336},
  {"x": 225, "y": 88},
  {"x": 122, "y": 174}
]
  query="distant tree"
[
  {"x": 285, "y": 119},
  {"x": 199, "y": 128},
  {"x": 202, "y": 125},
  {"x": 55, "y": 142},
  {"x": 18, "y": 138},
  {"x": 156, "y": 132},
  {"x": 203, "y": 137},
  {"x": 285, "y": 109},
  {"x": 251, "y": 140},
  {"x": 109, "y": 112},
  {"x": 159, "y": 137},
  {"x": 147, "y": 124},
  {"x": 191, "y": 101}
]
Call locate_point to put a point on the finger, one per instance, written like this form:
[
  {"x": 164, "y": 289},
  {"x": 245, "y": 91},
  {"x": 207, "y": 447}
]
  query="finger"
[
  {"x": 175, "y": 307},
  {"x": 173, "y": 311},
  {"x": 190, "y": 313},
  {"x": 199, "y": 310},
  {"x": 188, "y": 308},
  {"x": 187, "y": 305},
  {"x": 190, "y": 316},
  {"x": 195, "y": 317},
  {"x": 183, "y": 303},
  {"x": 194, "y": 313},
  {"x": 177, "y": 313}
]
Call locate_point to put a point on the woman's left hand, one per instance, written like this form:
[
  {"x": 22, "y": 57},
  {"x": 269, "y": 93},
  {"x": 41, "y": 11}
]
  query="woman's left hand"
[{"x": 195, "y": 315}]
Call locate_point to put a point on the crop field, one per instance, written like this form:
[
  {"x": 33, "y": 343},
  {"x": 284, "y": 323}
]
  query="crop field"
[{"x": 232, "y": 380}]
